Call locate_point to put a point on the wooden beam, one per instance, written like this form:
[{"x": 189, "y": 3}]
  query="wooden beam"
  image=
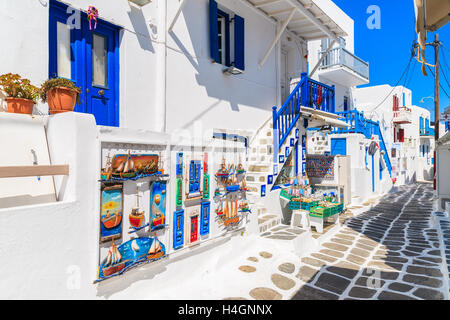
[
  {"x": 266, "y": 3},
  {"x": 34, "y": 171},
  {"x": 177, "y": 14},
  {"x": 277, "y": 37}
]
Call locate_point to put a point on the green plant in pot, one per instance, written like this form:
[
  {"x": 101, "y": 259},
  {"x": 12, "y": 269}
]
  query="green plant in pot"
[
  {"x": 21, "y": 94},
  {"x": 61, "y": 94}
]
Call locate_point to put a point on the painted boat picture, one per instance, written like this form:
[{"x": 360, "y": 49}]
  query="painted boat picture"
[
  {"x": 130, "y": 254},
  {"x": 129, "y": 165},
  {"x": 111, "y": 212},
  {"x": 158, "y": 205},
  {"x": 136, "y": 216}
]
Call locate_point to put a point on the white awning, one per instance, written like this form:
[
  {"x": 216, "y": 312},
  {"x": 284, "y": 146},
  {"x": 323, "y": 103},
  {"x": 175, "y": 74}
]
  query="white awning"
[
  {"x": 431, "y": 14},
  {"x": 303, "y": 18},
  {"x": 321, "y": 118}
]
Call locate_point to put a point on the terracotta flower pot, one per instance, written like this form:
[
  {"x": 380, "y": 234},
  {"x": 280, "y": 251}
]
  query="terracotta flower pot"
[
  {"x": 61, "y": 99},
  {"x": 19, "y": 105}
]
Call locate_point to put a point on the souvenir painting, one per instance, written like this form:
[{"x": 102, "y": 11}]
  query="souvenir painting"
[
  {"x": 178, "y": 229},
  {"x": 130, "y": 166},
  {"x": 286, "y": 153},
  {"x": 292, "y": 142},
  {"x": 137, "y": 216},
  {"x": 275, "y": 169},
  {"x": 269, "y": 179},
  {"x": 281, "y": 159},
  {"x": 263, "y": 191},
  {"x": 158, "y": 205},
  {"x": 204, "y": 223},
  {"x": 205, "y": 177},
  {"x": 129, "y": 254},
  {"x": 111, "y": 212}
]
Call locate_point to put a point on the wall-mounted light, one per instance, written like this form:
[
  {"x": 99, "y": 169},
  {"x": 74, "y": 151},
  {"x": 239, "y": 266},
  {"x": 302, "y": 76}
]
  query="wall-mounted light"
[
  {"x": 140, "y": 3},
  {"x": 232, "y": 71}
]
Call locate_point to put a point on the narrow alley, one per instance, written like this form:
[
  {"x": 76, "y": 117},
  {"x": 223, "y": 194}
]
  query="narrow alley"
[{"x": 388, "y": 252}]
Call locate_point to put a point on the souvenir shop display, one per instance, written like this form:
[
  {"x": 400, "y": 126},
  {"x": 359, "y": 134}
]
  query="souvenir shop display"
[
  {"x": 129, "y": 166},
  {"x": 230, "y": 195},
  {"x": 318, "y": 166},
  {"x": 120, "y": 251}
]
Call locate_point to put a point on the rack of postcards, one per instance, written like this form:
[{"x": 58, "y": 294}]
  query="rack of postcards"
[{"x": 133, "y": 197}]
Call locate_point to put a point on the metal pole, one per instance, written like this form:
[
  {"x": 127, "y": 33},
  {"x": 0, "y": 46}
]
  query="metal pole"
[{"x": 436, "y": 101}]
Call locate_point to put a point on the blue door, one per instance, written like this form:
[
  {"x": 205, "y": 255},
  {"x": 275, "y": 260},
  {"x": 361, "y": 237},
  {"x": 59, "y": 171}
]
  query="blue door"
[
  {"x": 90, "y": 58},
  {"x": 339, "y": 146}
]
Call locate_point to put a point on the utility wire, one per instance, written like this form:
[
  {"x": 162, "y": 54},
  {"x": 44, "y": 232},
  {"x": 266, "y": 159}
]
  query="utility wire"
[
  {"x": 439, "y": 83},
  {"x": 396, "y": 85}
]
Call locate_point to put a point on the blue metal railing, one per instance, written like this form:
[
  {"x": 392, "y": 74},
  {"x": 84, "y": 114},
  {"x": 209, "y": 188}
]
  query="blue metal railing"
[
  {"x": 308, "y": 93},
  {"x": 359, "y": 124}
]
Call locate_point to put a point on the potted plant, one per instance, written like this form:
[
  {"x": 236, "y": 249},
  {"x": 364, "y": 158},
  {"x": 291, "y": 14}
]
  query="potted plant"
[
  {"x": 21, "y": 94},
  {"x": 61, "y": 95}
]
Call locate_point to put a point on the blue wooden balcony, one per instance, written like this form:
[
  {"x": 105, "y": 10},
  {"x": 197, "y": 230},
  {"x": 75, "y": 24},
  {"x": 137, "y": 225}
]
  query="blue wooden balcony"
[
  {"x": 359, "y": 124},
  {"x": 308, "y": 93}
]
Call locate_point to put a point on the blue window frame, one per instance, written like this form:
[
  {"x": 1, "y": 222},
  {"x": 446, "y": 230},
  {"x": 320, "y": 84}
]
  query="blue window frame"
[
  {"x": 220, "y": 37},
  {"x": 339, "y": 146}
]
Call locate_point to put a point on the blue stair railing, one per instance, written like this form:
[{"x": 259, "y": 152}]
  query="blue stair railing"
[
  {"x": 308, "y": 93},
  {"x": 359, "y": 124}
]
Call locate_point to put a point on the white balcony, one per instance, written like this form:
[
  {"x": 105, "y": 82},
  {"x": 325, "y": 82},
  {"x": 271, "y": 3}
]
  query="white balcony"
[
  {"x": 402, "y": 116},
  {"x": 343, "y": 67}
]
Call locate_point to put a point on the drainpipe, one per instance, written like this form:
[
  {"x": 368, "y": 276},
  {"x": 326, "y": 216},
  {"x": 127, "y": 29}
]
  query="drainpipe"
[{"x": 159, "y": 123}]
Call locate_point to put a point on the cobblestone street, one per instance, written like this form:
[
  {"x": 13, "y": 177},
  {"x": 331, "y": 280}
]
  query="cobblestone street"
[{"x": 388, "y": 252}]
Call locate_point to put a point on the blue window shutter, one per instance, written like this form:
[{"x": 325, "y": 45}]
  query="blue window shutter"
[
  {"x": 239, "y": 42},
  {"x": 213, "y": 31},
  {"x": 339, "y": 146}
]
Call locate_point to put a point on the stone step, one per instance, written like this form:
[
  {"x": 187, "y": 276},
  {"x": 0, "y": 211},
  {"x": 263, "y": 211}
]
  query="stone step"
[
  {"x": 268, "y": 221},
  {"x": 258, "y": 168}
]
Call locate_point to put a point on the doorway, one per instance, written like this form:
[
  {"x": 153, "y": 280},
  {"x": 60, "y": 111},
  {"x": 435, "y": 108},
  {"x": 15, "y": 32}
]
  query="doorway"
[{"x": 90, "y": 58}]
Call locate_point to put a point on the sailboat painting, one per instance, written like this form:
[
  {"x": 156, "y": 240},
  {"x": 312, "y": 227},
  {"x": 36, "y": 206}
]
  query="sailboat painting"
[
  {"x": 158, "y": 205},
  {"x": 130, "y": 254},
  {"x": 111, "y": 212}
]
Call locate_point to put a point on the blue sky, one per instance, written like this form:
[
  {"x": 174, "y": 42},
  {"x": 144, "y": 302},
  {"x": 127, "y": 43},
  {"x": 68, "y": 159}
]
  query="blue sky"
[{"x": 388, "y": 49}]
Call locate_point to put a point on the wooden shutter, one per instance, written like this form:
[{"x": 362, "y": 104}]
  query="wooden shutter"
[
  {"x": 213, "y": 31},
  {"x": 239, "y": 42}
]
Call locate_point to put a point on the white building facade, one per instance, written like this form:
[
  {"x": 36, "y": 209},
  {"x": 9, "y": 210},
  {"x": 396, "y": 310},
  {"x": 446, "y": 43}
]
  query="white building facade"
[{"x": 193, "y": 82}]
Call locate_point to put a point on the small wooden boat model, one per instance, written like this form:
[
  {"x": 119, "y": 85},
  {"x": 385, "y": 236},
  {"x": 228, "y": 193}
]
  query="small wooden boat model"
[
  {"x": 136, "y": 217},
  {"x": 155, "y": 251},
  {"x": 113, "y": 262}
]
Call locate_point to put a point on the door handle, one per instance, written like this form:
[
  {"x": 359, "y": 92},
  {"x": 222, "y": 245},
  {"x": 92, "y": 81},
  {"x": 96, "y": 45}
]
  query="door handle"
[{"x": 101, "y": 93}]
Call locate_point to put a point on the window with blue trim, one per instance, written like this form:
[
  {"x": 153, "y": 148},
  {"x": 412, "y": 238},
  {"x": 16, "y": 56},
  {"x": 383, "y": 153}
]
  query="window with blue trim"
[{"x": 227, "y": 47}]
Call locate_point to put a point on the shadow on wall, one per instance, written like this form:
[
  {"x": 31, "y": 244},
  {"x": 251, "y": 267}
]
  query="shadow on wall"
[
  {"x": 203, "y": 68},
  {"x": 140, "y": 27}
]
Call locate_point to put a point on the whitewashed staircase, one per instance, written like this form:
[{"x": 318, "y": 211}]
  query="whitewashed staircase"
[{"x": 260, "y": 166}]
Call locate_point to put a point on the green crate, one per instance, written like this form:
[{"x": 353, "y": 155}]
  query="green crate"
[
  {"x": 309, "y": 205},
  {"x": 323, "y": 213},
  {"x": 295, "y": 205},
  {"x": 286, "y": 195}
]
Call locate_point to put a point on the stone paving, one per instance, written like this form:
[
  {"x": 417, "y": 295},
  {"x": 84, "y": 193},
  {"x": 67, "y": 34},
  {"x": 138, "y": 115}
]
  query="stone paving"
[{"x": 390, "y": 252}]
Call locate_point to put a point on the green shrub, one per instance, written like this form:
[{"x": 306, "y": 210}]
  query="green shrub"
[
  {"x": 17, "y": 87},
  {"x": 58, "y": 82}
]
